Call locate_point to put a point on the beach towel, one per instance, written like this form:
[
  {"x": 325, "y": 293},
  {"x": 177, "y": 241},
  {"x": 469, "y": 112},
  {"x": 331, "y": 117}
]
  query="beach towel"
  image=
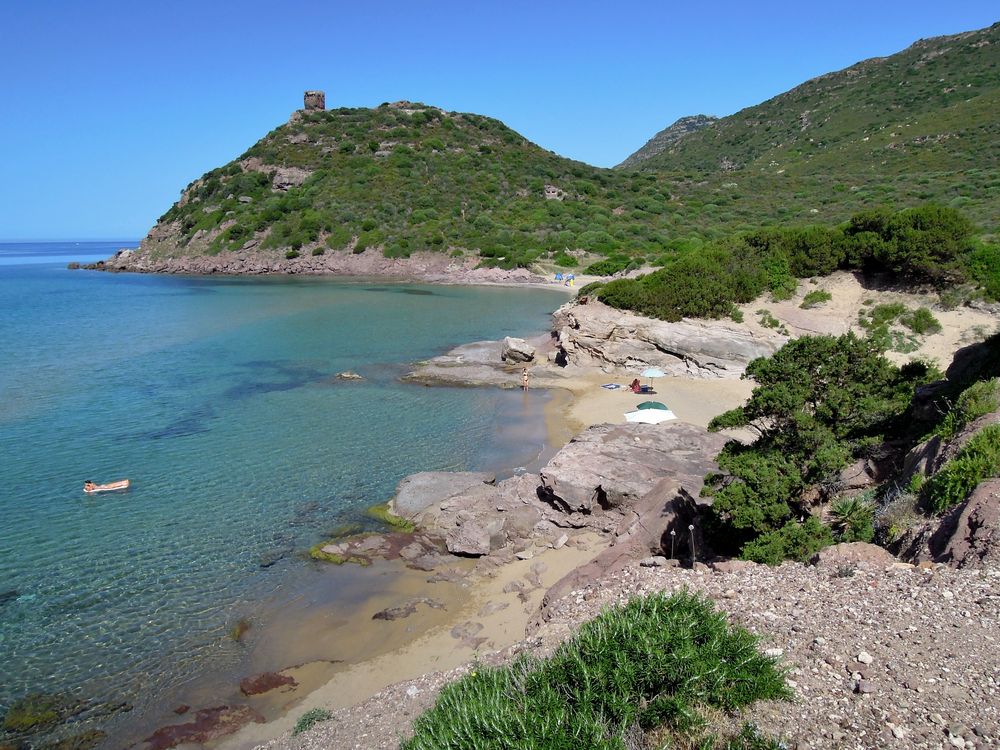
[{"x": 611, "y": 386}]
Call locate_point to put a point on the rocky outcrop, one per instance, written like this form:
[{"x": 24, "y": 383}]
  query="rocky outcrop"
[
  {"x": 516, "y": 350},
  {"x": 418, "y": 491},
  {"x": 596, "y": 333},
  {"x": 160, "y": 252},
  {"x": 314, "y": 101},
  {"x": 967, "y": 536},
  {"x": 612, "y": 466},
  {"x": 854, "y": 554},
  {"x": 208, "y": 724}
]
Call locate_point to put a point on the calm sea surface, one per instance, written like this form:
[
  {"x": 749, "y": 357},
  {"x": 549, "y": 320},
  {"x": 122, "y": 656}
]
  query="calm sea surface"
[{"x": 216, "y": 397}]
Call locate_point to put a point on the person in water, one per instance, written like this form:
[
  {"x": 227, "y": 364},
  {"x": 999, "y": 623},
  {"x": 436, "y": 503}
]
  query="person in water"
[{"x": 88, "y": 485}]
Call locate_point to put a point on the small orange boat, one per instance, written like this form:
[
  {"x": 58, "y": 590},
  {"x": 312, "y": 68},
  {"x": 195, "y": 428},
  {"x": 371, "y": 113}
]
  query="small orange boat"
[{"x": 90, "y": 488}]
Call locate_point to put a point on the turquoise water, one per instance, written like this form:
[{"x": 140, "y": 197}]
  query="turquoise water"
[{"x": 216, "y": 397}]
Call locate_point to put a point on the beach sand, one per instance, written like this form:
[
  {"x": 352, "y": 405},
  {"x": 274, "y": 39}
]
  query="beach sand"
[{"x": 479, "y": 615}]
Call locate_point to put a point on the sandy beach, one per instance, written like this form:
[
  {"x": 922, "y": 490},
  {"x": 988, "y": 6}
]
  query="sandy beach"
[{"x": 485, "y": 606}]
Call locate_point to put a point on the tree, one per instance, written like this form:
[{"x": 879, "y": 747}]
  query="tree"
[{"x": 819, "y": 400}]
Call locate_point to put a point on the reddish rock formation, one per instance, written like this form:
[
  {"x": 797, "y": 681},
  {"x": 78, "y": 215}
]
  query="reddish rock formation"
[
  {"x": 208, "y": 724},
  {"x": 264, "y": 682},
  {"x": 314, "y": 101}
]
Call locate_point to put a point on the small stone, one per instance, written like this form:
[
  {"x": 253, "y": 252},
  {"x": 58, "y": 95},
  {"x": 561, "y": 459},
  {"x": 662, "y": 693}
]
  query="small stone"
[
  {"x": 865, "y": 658},
  {"x": 947, "y": 594},
  {"x": 526, "y": 554},
  {"x": 937, "y": 719},
  {"x": 774, "y": 653},
  {"x": 819, "y": 640},
  {"x": 413, "y": 691},
  {"x": 560, "y": 542},
  {"x": 955, "y": 741},
  {"x": 866, "y": 687},
  {"x": 654, "y": 562}
]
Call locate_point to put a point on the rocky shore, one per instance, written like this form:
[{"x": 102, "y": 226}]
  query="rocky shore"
[
  {"x": 252, "y": 261},
  {"x": 880, "y": 652}
]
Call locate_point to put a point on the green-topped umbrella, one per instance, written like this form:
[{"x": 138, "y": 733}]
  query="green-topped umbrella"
[{"x": 653, "y": 405}]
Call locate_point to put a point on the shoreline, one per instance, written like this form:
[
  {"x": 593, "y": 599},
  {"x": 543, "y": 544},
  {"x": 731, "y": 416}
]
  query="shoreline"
[{"x": 493, "y": 598}]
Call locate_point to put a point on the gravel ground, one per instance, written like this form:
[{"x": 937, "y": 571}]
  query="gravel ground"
[{"x": 878, "y": 658}]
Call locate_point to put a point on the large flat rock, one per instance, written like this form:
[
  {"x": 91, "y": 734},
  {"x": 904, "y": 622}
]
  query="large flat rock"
[
  {"x": 418, "y": 491},
  {"x": 612, "y": 466}
]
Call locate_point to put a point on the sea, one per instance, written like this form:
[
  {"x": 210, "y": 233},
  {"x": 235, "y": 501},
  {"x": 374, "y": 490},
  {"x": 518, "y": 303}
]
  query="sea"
[{"x": 218, "y": 398}]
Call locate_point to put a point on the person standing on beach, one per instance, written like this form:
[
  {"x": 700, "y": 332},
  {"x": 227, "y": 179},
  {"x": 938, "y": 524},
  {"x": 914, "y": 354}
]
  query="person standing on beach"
[{"x": 524, "y": 379}]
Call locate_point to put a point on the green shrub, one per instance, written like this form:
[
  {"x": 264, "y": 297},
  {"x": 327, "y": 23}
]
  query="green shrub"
[
  {"x": 975, "y": 401},
  {"x": 815, "y": 298},
  {"x": 311, "y": 718},
  {"x": 291, "y": 254},
  {"x": 766, "y": 319},
  {"x": 565, "y": 261},
  {"x": 655, "y": 662},
  {"x": 853, "y": 519},
  {"x": 318, "y": 250},
  {"x": 978, "y": 460},
  {"x": 921, "y": 321},
  {"x": 793, "y": 541}
]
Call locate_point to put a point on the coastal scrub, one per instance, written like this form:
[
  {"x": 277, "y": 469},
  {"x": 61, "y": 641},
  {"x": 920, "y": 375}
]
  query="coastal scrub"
[{"x": 657, "y": 665}]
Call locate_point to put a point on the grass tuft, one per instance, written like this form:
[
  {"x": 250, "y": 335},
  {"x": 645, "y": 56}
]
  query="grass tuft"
[{"x": 656, "y": 662}]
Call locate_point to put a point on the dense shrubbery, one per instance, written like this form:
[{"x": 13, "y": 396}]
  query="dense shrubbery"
[
  {"x": 975, "y": 401},
  {"x": 652, "y": 665},
  {"x": 819, "y": 401},
  {"x": 930, "y": 245}
]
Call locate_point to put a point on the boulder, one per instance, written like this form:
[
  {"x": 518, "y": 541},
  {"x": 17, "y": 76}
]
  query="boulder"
[
  {"x": 854, "y": 554},
  {"x": 969, "y": 535},
  {"x": 475, "y": 536},
  {"x": 419, "y": 491},
  {"x": 611, "y": 466},
  {"x": 516, "y": 350}
]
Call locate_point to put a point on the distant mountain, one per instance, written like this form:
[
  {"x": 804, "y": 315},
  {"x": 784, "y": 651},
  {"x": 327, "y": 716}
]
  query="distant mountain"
[
  {"x": 668, "y": 137},
  {"x": 925, "y": 116}
]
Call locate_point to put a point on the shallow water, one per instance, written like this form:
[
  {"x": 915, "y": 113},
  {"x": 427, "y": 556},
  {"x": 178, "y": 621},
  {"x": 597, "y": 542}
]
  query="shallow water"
[{"x": 217, "y": 398}]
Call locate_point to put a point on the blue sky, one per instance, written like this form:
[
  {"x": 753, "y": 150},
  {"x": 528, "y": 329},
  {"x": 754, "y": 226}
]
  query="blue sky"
[{"x": 109, "y": 108}]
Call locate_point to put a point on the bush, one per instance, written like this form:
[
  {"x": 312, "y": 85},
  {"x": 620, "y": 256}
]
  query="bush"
[
  {"x": 815, "y": 298},
  {"x": 978, "y": 460},
  {"x": 311, "y": 718},
  {"x": 318, "y": 250},
  {"x": 793, "y": 541},
  {"x": 921, "y": 321},
  {"x": 655, "y": 662},
  {"x": 853, "y": 519},
  {"x": 975, "y": 401},
  {"x": 291, "y": 254}
]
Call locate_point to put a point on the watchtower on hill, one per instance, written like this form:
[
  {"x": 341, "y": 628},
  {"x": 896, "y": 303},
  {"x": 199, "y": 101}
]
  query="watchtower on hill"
[{"x": 314, "y": 101}]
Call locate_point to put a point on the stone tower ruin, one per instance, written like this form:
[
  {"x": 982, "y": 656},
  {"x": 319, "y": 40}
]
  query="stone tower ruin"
[{"x": 315, "y": 101}]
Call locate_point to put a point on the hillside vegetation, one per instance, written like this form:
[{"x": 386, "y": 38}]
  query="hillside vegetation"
[
  {"x": 404, "y": 177},
  {"x": 918, "y": 124}
]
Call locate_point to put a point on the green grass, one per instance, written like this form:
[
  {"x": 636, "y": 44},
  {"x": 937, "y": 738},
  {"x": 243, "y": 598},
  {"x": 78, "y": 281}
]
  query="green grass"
[
  {"x": 815, "y": 298},
  {"x": 975, "y": 401},
  {"x": 978, "y": 460},
  {"x": 658, "y": 662},
  {"x": 311, "y": 718}
]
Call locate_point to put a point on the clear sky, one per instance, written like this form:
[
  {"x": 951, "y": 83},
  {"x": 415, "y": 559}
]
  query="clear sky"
[{"x": 108, "y": 108}]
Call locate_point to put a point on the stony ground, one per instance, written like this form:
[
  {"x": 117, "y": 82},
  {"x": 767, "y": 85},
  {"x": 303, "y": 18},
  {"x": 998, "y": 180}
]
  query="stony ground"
[{"x": 878, "y": 658}]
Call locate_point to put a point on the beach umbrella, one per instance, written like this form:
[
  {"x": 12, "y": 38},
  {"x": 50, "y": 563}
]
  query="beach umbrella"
[
  {"x": 653, "y": 405},
  {"x": 653, "y": 372},
  {"x": 650, "y": 416}
]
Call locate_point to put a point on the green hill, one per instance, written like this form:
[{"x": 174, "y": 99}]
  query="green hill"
[
  {"x": 920, "y": 124},
  {"x": 900, "y": 131},
  {"x": 404, "y": 177}
]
